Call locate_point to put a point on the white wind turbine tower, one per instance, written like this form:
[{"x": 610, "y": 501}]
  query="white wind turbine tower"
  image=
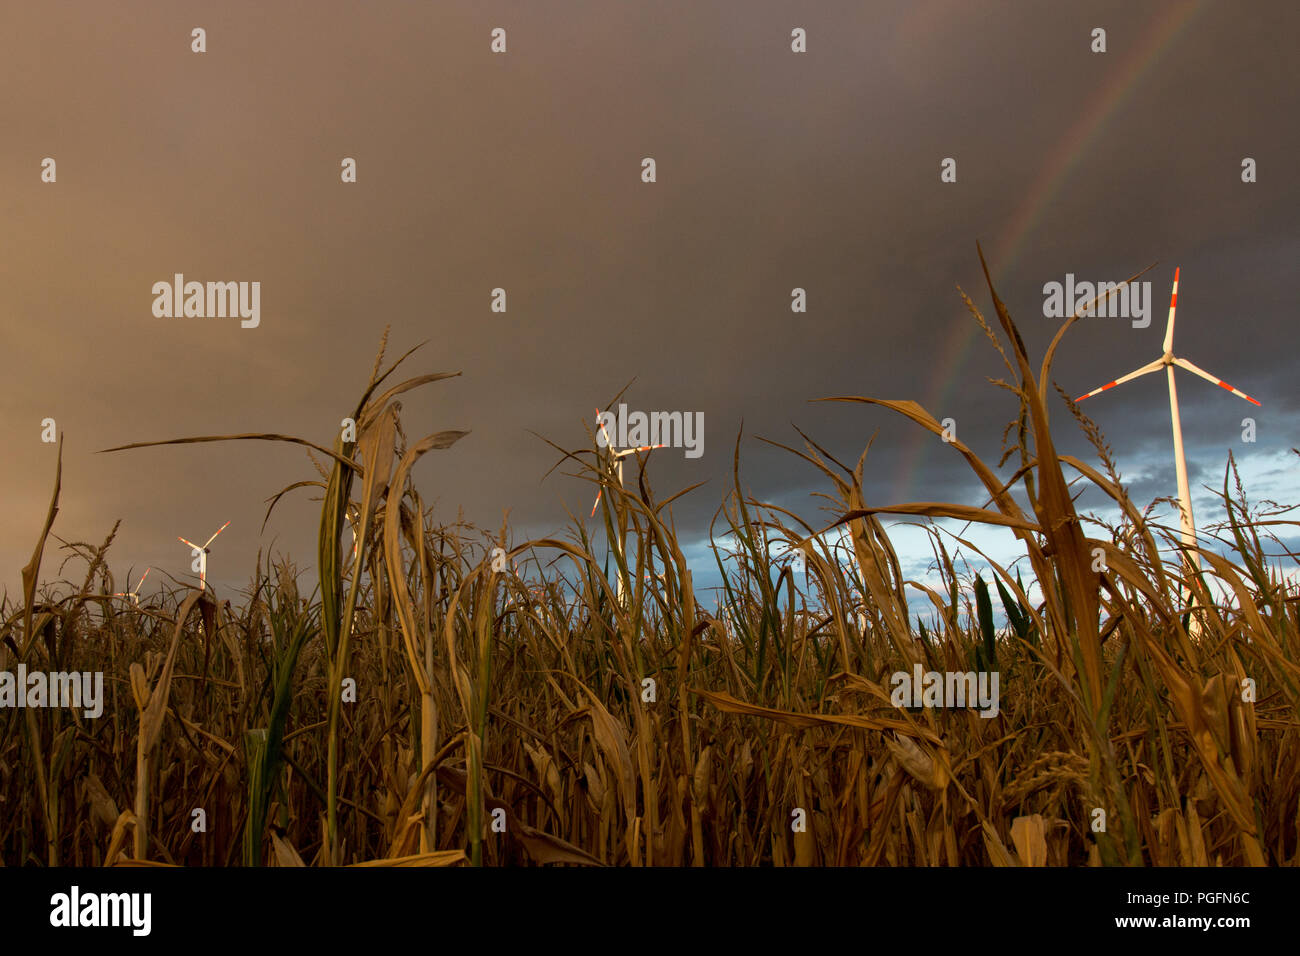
[
  {"x": 134, "y": 593},
  {"x": 1167, "y": 361},
  {"x": 617, "y": 457},
  {"x": 202, "y": 552}
]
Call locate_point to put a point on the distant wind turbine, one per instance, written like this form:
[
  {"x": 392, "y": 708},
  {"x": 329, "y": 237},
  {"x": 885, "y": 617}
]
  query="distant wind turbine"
[
  {"x": 202, "y": 552},
  {"x": 617, "y": 458},
  {"x": 1167, "y": 361},
  {"x": 134, "y": 594}
]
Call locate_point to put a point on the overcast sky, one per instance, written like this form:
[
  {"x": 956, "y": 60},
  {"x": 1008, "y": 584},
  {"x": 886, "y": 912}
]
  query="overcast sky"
[{"x": 523, "y": 170}]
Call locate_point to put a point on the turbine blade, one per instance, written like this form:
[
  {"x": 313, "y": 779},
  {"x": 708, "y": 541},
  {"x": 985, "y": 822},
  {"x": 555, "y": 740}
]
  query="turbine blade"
[
  {"x": 214, "y": 537},
  {"x": 597, "y": 504},
  {"x": 190, "y": 543},
  {"x": 1210, "y": 378},
  {"x": 1151, "y": 367},
  {"x": 632, "y": 451},
  {"x": 142, "y": 577},
  {"x": 1173, "y": 304},
  {"x": 609, "y": 442}
]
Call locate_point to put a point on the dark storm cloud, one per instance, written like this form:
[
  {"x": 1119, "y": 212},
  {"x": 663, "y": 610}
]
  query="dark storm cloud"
[{"x": 521, "y": 171}]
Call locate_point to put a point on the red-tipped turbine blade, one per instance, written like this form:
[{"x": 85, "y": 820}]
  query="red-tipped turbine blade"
[
  {"x": 600, "y": 422},
  {"x": 1152, "y": 367},
  {"x": 633, "y": 451},
  {"x": 219, "y": 530},
  {"x": 1211, "y": 378},
  {"x": 190, "y": 543},
  {"x": 597, "y": 504},
  {"x": 1173, "y": 304}
]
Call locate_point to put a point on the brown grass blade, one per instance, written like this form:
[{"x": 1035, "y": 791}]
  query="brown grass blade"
[
  {"x": 725, "y": 702},
  {"x": 250, "y": 436},
  {"x": 34, "y": 565}
]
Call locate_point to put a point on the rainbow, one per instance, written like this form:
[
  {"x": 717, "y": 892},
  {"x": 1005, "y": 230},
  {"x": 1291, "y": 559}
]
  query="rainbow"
[{"x": 1156, "y": 39}]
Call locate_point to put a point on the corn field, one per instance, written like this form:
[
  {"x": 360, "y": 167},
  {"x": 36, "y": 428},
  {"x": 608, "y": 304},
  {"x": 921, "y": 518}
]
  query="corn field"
[{"x": 447, "y": 696}]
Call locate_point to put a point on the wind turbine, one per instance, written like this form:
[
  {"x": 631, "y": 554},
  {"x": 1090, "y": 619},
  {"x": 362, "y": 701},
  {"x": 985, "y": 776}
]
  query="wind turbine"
[
  {"x": 617, "y": 457},
  {"x": 134, "y": 595},
  {"x": 1167, "y": 361},
  {"x": 202, "y": 552}
]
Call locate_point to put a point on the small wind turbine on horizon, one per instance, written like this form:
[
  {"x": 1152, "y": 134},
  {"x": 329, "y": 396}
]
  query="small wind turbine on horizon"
[
  {"x": 202, "y": 552},
  {"x": 134, "y": 593},
  {"x": 617, "y": 458},
  {"x": 1167, "y": 361}
]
